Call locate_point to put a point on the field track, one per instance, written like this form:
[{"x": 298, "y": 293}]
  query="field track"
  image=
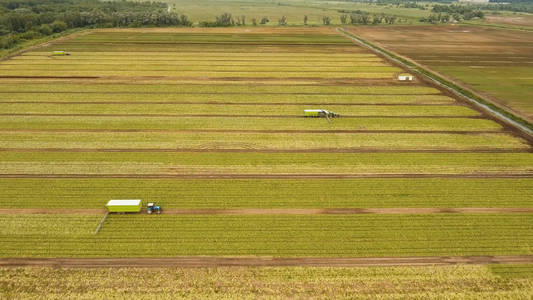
[
  {"x": 206, "y": 261},
  {"x": 283, "y": 211}
]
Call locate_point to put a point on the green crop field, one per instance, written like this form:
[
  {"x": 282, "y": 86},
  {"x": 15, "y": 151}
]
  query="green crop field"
[
  {"x": 209, "y": 124},
  {"x": 270, "y": 193},
  {"x": 266, "y": 235}
]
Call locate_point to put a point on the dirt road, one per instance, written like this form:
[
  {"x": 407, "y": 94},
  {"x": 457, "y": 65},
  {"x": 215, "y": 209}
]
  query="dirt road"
[{"x": 208, "y": 261}]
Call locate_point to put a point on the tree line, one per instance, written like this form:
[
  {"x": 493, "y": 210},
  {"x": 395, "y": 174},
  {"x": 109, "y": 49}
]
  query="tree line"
[
  {"x": 451, "y": 13},
  {"x": 23, "y": 20}
]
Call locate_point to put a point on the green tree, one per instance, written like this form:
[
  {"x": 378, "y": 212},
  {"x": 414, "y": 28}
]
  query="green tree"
[
  {"x": 344, "y": 18},
  {"x": 45, "y": 29},
  {"x": 59, "y": 26}
]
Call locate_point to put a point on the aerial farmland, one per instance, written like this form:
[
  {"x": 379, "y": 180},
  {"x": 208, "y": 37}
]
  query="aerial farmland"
[{"x": 209, "y": 124}]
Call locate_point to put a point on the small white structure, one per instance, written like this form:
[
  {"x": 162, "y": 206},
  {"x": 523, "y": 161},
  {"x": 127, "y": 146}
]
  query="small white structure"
[{"x": 405, "y": 77}]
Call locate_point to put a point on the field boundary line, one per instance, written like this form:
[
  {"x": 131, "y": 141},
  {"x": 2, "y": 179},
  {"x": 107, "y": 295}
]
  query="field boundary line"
[
  {"x": 278, "y": 211},
  {"x": 471, "y": 96},
  {"x": 258, "y": 261}
]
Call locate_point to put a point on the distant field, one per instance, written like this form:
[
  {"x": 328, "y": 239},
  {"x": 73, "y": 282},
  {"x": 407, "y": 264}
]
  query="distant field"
[
  {"x": 209, "y": 124},
  {"x": 294, "y": 10},
  {"x": 495, "y": 62}
]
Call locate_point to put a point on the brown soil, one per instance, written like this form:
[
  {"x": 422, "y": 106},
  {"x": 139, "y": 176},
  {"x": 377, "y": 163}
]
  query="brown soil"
[
  {"x": 207, "y": 261},
  {"x": 342, "y": 211},
  {"x": 226, "y": 103},
  {"x": 273, "y": 176},
  {"x": 316, "y": 150},
  {"x": 282, "y": 211},
  {"x": 51, "y": 211}
]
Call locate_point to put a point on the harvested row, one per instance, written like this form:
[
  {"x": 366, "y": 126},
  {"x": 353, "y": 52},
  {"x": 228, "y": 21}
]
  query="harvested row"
[
  {"x": 228, "y": 89},
  {"x": 97, "y": 69},
  {"x": 269, "y": 193},
  {"x": 258, "y": 54},
  {"x": 446, "y": 282},
  {"x": 271, "y": 235},
  {"x": 187, "y": 63},
  {"x": 200, "y": 74},
  {"x": 225, "y": 99},
  {"x": 264, "y": 163},
  {"x": 219, "y": 109},
  {"x": 180, "y": 122},
  {"x": 190, "y": 38},
  {"x": 171, "y": 141},
  {"x": 210, "y": 48}
]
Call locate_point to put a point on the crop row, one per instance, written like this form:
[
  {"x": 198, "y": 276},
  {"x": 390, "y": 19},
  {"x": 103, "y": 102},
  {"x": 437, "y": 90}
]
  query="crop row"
[
  {"x": 200, "y": 54},
  {"x": 176, "y": 89},
  {"x": 270, "y": 235},
  {"x": 215, "y": 109},
  {"x": 97, "y": 68},
  {"x": 179, "y": 122},
  {"x": 271, "y": 74},
  {"x": 282, "y": 99},
  {"x": 191, "y": 38},
  {"x": 250, "y": 63},
  {"x": 269, "y": 193},
  {"x": 172, "y": 48},
  {"x": 259, "y": 141},
  {"x": 262, "y": 163}
]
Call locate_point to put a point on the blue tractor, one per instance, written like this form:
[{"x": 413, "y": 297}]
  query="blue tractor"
[{"x": 152, "y": 208}]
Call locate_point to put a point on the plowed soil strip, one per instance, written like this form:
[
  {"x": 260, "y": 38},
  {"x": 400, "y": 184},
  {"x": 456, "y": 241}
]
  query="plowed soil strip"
[
  {"x": 282, "y": 211},
  {"x": 210, "y": 261},
  {"x": 234, "y": 116},
  {"x": 274, "y": 176},
  {"x": 400, "y": 131},
  {"x": 321, "y": 150}
]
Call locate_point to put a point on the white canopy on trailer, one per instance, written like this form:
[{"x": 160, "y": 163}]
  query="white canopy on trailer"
[{"x": 123, "y": 202}]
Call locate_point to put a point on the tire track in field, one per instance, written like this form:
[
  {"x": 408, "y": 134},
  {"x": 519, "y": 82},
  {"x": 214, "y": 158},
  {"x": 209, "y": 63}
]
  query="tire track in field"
[
  {"x": 283, "y": 211},
  {"x": 272, "y": 176},
  {"x": 214, "y": 261},
  {"x": 237, "y": 116},
  {"x": 316, "y": 150}
]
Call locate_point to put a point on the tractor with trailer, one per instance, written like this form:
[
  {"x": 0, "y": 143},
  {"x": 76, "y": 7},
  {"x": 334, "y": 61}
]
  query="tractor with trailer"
[
  {"x": 320, "y": 113},
  {"x": 152, "y": 208}
]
